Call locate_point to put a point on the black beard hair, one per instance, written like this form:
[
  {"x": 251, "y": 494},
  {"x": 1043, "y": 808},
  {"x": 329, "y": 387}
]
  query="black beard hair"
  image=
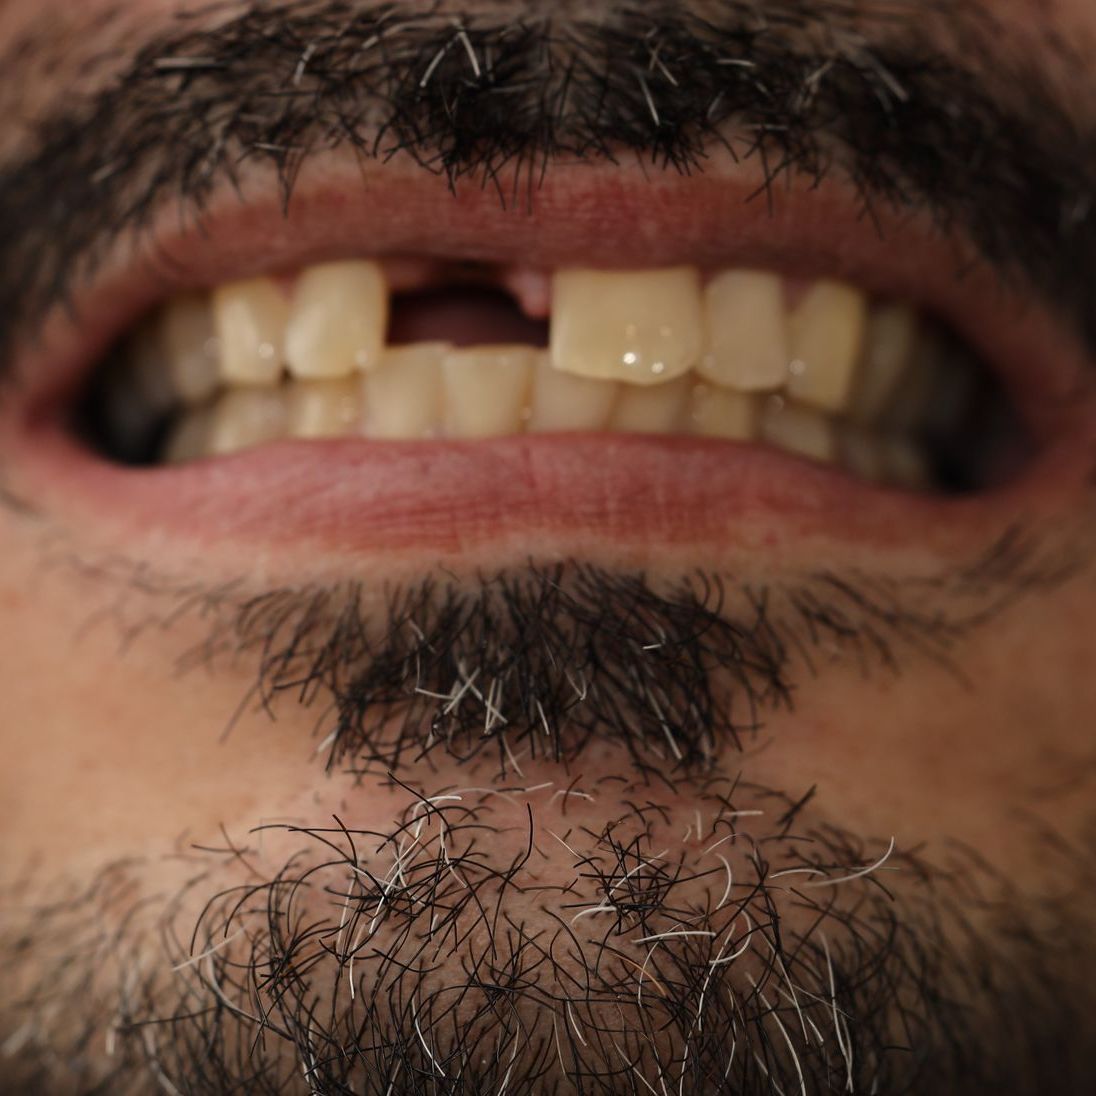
[
  {"x": 546, "y": 661},
  {"x": 920, "y": 106},
  {"x": 763, "y": 952}
]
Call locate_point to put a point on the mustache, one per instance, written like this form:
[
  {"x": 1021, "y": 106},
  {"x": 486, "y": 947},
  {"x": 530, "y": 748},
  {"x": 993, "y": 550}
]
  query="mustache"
[
  {"x": 598, "y": 936},
  {"x": 545, "y": 661}
]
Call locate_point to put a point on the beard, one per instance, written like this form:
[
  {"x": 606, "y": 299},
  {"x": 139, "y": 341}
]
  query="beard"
[{"x": 580, "y": 884}]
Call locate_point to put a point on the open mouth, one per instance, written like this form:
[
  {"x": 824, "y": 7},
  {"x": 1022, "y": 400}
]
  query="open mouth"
[{"x": 440, "y": 370}]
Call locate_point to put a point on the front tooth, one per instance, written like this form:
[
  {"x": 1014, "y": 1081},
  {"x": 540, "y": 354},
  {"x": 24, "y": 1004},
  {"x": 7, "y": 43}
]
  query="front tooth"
[
  {"x": 799, "y": 430},
  {"x": 827, "y": 338},
  {"x": 723, "y": 413},
  {"x": 661, "y": 410},
  {"x": 191, "y": 347},
  {"x": 324, "y": 409},
  {"x": 747, "y": 332},
  {"x": 487, "y": 390},
  {"x": 642, "y": 327},
  {"x": 562, "y": 402},
  {"x": 888, "y": 353},
  {"x": 338, "y": 320},
  {"x": 249, "y": 318},
  {"x": 247, "y": 417},
  {"x": 403, "y": 395}
]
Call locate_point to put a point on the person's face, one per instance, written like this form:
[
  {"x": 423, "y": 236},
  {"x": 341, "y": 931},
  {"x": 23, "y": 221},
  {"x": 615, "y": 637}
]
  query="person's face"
[{"x": 671, "y": 670}]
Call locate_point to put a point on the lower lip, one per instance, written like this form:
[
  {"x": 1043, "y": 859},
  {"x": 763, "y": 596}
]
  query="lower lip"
[{"x": 536, "y": 495}]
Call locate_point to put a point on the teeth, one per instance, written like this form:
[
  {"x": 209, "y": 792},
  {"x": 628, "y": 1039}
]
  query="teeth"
[
  {"x": 565, "y": 402},
  {"x": 799, "y": 430},
  {"x": 192, "y": 351},
  {"x": 660, "y": 410},
  {"x": 863, "y": 455},
  {"x": 723, "y": 413},
  {"x": 324, "y": 409},
  {"x": 245, "y": 418},
  {"x": 190, "y": 438},
  {"x": 338, "y": 320},
  {"x": 641, "y": 327},
  {"x": 889, "y": 349},
  {"x": 905, "y": 463},
  {"x": 487, "y": 390},
  {"x": 827, "y": 338},
  {"x": 403, "y": 395},
  {"x": 249, "y": 319},
  {"x": 747, "y": 332}
]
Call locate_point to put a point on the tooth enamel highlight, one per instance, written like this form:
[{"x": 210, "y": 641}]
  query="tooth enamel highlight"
[
  {"x": 324, "y": 409},
  {"x": 747, "y": 332},
  {"x": 487, "y": 390},
  {"x": 888, "y": 354},
  {"x": 800, "y": 430},
  {"x": 655, "y": 410},
  {"x": 191, "y": 347},
  {"x": 247, "y": 417},
  {"x": 564, "y": 402},
  {"x": 641, "y": 327},
  {"x": 827, "y": 338},
  {"x": 338, "y": 320},
  {"x": 723, "y": 413},
  {"x": 403, "y": 395},
  {"x": 249, "y": 318}
]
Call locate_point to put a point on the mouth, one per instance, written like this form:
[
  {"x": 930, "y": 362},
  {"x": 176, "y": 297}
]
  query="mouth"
[{"x": 416, "y": 369}]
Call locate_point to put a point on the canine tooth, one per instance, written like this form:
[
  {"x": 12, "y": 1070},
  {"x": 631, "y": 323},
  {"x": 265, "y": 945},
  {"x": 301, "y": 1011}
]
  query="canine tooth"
[
  {"x": 249, "y": 318},
  {"x": 644, "y": 327},
  {"x": 403, "y": 395},
  {"x": 724, "y": 413},
  {"x": 660, "y": 410},
  {"x": 798, "y": 429},
  {"x": 487, "y": 390},
  {"x": 246, "y": 417},
  {"x": 324, "y": 409},
  {"x": 189, "y": 438},
  {"x": 337, "y": 321},
  {"x": 191, "y": 348},
  {"x": 747, "y": 332},
  {"x": 827, "y": 339},
  {"x": 562, "y": 401},
  {"x": 889, "y": 346}
]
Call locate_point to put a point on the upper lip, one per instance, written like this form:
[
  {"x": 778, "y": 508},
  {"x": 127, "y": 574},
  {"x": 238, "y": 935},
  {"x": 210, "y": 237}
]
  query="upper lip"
[{"x": 363, "y": 495}]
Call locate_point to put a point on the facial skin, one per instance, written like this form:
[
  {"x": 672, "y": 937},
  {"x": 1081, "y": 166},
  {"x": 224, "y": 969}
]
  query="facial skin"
[{"x": 560, "y": 765}]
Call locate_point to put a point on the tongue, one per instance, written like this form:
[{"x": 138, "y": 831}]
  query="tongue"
[{"x": 464, "y": 316}]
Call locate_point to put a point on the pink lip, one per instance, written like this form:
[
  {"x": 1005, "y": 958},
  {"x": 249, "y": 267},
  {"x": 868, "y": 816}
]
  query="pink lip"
[{"x": 532, "y": 494}]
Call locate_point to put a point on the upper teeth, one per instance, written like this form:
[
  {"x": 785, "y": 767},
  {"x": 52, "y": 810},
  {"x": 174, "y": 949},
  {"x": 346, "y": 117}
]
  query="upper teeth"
[{"x": 663, "y": 351}]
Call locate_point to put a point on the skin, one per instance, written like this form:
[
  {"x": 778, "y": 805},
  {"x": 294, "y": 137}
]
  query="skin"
[{"x": 111, "y": 753}]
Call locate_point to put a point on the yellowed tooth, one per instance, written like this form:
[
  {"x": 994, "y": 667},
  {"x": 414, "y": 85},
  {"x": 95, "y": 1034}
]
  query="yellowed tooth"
[
  {"x": 337, "y": 321},
  {"x": 862, "y": 454},
  {"x": 747, "y": 345},
  {"x": 249, "y": 318},
  {"x": 798, "y": 429},
  {"x": 487, "y": 390},
  {"x": 324, "y": 409},
  {"x": 191, "y": 347},
  {"x": 827, "y": 339},
  {"x": 247, "y": 417},
  {"x": 189, "y": 437},
  {"x": 562, "y": 402},
  {"x": 888, "y": 355},
  {"x": 403, "y": 395},
  {"x": 724, "y": 413},
  {"x": 642, "y": 327},
  {"x": 661, "y": 410},
  {"x": 906, "y": 464}
]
